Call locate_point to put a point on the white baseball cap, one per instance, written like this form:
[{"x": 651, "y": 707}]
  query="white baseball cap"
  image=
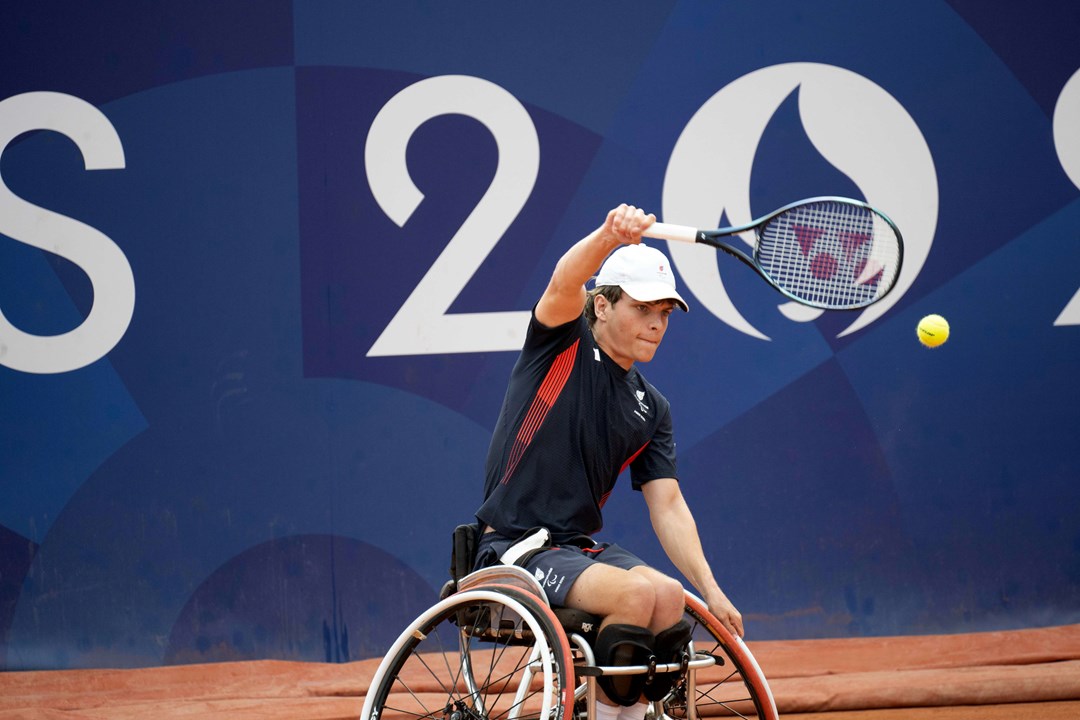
[{"x": 643, "y": 273}]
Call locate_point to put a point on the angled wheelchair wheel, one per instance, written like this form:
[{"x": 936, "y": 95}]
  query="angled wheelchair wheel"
[
  {"x": 490, "y": 653},
  {"x": 734, "y": 687}
]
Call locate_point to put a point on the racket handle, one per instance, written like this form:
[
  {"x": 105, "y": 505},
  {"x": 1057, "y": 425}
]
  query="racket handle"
[{"x": 667, "y": 231}]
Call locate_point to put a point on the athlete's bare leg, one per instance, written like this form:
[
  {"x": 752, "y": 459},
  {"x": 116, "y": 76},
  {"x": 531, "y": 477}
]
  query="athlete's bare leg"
[{"x": 643, "y": 596}]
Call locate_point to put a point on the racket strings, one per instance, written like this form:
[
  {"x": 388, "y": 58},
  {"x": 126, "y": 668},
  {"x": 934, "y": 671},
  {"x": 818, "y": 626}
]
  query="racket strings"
[{"x": 830, "y": 254}]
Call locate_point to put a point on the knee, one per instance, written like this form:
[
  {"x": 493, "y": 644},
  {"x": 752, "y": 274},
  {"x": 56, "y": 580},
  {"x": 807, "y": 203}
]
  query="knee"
[
  {"x": 670, "y": 602},
  {"x": 635, "y": 600}
]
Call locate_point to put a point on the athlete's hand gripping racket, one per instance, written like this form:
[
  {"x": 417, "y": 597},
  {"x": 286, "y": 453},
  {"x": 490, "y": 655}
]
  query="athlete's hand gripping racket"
[{"x": 827, "y": 252}]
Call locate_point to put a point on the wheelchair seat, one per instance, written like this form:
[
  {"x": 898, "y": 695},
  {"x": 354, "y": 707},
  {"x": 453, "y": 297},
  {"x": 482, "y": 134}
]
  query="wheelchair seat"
[{"x": 463, "y": 577}]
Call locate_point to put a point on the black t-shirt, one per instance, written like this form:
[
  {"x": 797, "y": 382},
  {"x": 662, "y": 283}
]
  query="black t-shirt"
[{"x": 571, "y": 421}]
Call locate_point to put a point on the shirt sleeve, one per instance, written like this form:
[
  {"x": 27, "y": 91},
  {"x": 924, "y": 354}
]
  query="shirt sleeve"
[
  {"x": 541, "y": 340},
  {"x": 657, "y": 460}
]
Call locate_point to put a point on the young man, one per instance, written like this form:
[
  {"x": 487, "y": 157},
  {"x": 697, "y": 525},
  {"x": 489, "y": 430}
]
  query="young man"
[{"x": 576, "y": 413}]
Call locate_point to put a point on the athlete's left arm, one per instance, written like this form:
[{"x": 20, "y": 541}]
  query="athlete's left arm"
[{"x": 674, "y": 525}]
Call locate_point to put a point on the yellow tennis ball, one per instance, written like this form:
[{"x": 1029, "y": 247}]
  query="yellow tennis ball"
[{"x": 933, "y": 331}]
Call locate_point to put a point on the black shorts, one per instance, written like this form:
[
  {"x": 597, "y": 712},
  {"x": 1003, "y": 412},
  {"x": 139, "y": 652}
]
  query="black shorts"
[{"x": 559, "y": 566}]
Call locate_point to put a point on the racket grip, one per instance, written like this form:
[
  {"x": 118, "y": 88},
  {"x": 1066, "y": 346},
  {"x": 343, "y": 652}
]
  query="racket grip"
[{"x": 667, "y": 231}]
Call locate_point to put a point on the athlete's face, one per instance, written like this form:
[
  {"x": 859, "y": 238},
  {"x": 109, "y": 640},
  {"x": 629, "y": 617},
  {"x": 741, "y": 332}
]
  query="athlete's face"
[{"x": 630, "y": 330}]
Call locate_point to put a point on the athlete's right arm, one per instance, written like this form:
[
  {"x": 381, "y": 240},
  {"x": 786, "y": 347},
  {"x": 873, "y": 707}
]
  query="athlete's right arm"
[{"x": 564, "y": 298}]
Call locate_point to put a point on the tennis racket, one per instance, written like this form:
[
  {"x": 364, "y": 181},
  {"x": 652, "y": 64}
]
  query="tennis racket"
[{"x": 831, "y": 253}]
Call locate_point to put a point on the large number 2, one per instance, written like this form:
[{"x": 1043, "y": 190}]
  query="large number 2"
[{"x": 423, "y": 326}]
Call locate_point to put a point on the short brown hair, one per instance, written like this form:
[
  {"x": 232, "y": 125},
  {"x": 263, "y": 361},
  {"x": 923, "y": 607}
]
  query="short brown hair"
[{"x": 613, "y": 293}]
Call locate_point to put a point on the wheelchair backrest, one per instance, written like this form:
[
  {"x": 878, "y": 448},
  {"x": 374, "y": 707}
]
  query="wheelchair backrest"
[{"x": 463, "y": 550}]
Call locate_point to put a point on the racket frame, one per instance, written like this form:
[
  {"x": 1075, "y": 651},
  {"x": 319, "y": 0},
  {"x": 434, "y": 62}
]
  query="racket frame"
[{"x": 713, "y": 238}]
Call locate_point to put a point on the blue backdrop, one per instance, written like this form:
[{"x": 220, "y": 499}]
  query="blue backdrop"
[{"x": 239, "y": 419}]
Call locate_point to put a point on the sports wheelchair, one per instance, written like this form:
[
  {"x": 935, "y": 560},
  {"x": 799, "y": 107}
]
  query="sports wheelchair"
[{"x": 493, "y": 649}]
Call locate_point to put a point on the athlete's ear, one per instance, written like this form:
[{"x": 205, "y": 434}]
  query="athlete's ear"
[{"x": 601, "y": 306}]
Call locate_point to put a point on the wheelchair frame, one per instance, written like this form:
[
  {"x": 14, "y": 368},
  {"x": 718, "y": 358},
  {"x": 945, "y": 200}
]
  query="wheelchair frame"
[{"x": 493, "y": 649}]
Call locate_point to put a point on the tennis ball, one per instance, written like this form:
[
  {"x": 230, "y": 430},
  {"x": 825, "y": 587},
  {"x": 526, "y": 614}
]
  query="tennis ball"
[{"x": 933, "y": 331}]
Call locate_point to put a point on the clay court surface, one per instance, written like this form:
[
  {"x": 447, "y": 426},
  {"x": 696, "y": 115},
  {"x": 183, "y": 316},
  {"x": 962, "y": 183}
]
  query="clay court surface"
[{"x": 985, "y": 676}]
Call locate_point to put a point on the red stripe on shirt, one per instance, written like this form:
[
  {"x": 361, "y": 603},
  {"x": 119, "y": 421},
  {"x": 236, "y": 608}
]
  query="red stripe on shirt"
[
  {"x": 545, "y": 398},
  {"x": 625, "y": 465},
  {"x": 633, "y": 457}
]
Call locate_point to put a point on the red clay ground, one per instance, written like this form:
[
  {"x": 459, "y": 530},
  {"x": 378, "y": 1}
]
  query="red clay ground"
[{"x": 986, "y": 676}]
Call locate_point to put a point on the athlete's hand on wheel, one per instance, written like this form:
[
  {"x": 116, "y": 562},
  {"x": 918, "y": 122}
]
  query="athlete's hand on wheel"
[{"x": 725, "y": 612}]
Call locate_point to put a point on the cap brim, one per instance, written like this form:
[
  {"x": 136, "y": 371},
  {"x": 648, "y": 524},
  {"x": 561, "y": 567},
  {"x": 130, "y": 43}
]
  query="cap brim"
[{"x": 653, "y": 291}]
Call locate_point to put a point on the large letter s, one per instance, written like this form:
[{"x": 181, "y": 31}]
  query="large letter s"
[{"x": 96, "y": 254}]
